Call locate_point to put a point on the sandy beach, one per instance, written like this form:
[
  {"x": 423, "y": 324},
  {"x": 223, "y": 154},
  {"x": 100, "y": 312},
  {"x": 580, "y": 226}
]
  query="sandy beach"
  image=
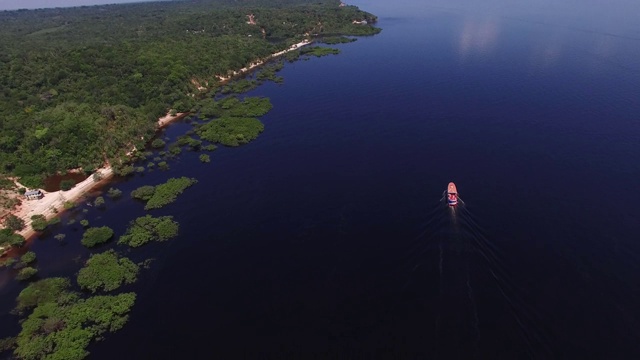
[
  {"x": 257, "y": 63},
  {"x": 168, "y": 119},
  {"x": 53, "y": 202}
]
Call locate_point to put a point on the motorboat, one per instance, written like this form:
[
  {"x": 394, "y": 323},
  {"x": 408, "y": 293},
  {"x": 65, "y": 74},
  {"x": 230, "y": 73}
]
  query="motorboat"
[{"x": 452, "y": 194}]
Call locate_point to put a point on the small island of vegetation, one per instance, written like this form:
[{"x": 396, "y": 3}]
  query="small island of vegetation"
[
  {"x": 332, "y": 40},
  {"x": 96, "y": 236},
  {"x": 319, "y": 51},
  {"x": 163, "y": 194},
  {"x": 26, "y": 273},
  {"x": 231, "y": 131},
  {"x": 107, "y": 271},
  {"x": 62, "y": 322},
  {"x": 148, "y": 228},
  {"x": 233, "y": 107},
  {"x": 9, "y": 238}
]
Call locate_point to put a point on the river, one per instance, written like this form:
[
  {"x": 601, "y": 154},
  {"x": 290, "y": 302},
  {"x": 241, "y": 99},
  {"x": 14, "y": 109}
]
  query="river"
[{"x": 327, "y": 236}]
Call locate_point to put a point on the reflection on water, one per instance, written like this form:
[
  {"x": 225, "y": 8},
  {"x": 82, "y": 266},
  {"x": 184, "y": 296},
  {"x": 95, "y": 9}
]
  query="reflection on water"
[
  {"x": 545, "y": 53},
  {"x": 52, "y": 183},
  {"x": 478, "y": 36},
  {"x": 5, "y": 277}
]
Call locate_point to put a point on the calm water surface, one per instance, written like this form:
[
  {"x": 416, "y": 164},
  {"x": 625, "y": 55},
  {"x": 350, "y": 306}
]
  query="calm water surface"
[{"x": 327, "y": 237}]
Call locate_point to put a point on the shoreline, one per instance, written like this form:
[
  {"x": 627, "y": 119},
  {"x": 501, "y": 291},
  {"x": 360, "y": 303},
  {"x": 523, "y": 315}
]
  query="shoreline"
[
  {"x": 168, "y": 119},
  {"x": 52, "y": 204},
  {"x": 253, "y": 65}
]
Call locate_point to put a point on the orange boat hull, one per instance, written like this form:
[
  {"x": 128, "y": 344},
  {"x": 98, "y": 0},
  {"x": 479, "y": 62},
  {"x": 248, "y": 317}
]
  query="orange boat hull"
[{"x": 452, "y": 194}]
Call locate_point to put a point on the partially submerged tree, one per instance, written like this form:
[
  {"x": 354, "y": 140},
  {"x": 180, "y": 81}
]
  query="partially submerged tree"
[
  {"x": 96, "y": 235},
  {"x": 107, "y": 271}
]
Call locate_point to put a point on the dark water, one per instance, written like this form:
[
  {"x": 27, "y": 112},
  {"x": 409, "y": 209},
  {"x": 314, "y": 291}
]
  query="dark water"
[
  {"x": 52, "y": 183},
  {"x": 326, "y": 237}
]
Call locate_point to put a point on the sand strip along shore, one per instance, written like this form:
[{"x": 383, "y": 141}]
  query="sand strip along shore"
[
  {"x": 259, "y": 62},
  {"x": 53, "y": 202},
  {"x": 168, "y": 119}
]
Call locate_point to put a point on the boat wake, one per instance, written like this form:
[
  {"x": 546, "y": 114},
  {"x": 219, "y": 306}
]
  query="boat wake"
[{"x": 472, "y": 280}]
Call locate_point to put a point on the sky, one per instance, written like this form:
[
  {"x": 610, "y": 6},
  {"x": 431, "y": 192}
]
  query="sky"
[
  {"x": 617, "y": 16},
  {"x": 613, "y": 17},
  {"x": 39, "y": 4}
]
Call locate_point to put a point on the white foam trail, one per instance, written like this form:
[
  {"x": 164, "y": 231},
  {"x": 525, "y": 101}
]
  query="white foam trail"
[
  {"x": 474, "y": 310},
  {"x": 440, "y": 264},
  {"x": 537, "y": 344}
]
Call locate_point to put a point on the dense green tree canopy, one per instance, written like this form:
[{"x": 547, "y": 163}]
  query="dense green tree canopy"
[
  {"x": 80, "y": 86},
  {"x": 39, "y": 222},
  {"x": 234, "y": 107},
  {"x": 231, "y": 131},
  {"x": 143, "y": 193},
  {"x": 9, "y": 238},
  {"x": 163, "y": 194},
  {"x": 107, "y": 271},
  {"x": 63, "y": 329},
  {"x": 42, "y": 291},
  {"x": 148, "y": 228},
  {"x": 62, "y": 323},
  {"x": 14, "y": 223},
  {"x": 26, "y": 273},
  {"x": 28, "y": 257},
  {"x": 96, "y": 235}
]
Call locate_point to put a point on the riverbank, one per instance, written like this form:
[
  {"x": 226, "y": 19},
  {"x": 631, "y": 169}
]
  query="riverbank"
[
  {"x": 253, "y": 65},
  {"x": 168, "y": 119},
  {"x": 53, "y": 203}
]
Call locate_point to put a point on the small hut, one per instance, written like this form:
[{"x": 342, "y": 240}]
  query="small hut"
[{"x": 34, "y": 194}]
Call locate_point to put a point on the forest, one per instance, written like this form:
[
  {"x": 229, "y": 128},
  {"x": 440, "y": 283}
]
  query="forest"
[{"x": 81, "y": 87}]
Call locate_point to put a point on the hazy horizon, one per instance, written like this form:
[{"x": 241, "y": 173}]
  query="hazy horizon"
[{"x": 41, "y": 4}]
